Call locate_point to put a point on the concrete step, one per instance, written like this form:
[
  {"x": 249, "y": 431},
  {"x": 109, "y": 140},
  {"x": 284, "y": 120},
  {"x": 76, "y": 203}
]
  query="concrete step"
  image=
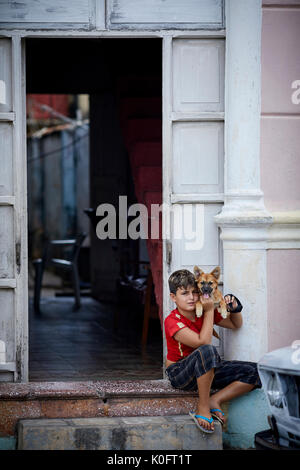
[{"x": 177, "y": 432}]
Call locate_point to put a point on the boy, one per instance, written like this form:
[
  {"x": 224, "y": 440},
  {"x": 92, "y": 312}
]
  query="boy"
[{"x": 192, "y": 362}]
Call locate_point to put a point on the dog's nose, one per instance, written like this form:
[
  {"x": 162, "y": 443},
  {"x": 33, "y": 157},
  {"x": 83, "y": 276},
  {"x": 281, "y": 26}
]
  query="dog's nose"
[{"x": 206, "y": 289}]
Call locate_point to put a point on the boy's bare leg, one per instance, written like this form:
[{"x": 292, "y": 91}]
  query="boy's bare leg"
[
  {"x": 233, "y": 390},
  {"x": 204, "y": 384}
]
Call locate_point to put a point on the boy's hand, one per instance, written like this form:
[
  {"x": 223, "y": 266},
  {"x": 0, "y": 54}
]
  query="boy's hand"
[
  {"x": 207, "y": 303},
  {"x": 230, "y": 299}
]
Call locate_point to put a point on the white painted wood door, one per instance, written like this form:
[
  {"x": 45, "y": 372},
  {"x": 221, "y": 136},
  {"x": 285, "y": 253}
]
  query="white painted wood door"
[
  {"x": 193, "y": 149},
  {"x": 13, "y": 215}
]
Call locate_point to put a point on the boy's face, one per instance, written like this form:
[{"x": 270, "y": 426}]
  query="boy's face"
[{"x": 186, "y": 298}]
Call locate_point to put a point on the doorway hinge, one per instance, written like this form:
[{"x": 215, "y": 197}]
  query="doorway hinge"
[
  {"x": 18, "y": 256},
  {"x": 169, "y": 252}
]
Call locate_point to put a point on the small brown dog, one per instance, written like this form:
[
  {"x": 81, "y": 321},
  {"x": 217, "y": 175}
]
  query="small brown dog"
[{"x": 208, "y": 287}]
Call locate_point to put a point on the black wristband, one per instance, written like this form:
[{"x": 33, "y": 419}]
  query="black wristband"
[{"x": 239, "y": 307}]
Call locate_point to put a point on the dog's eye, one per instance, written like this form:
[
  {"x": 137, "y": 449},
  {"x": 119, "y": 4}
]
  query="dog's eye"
[
  {"x": 202, "y": 283},
  {"x": 210, "y": 283}
]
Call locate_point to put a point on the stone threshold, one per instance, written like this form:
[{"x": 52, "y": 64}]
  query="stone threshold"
[
  {"x": 90, "y": 389},
  {"x": 93, "y": 399}
]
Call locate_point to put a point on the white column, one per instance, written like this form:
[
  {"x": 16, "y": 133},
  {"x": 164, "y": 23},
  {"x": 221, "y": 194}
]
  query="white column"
[{"x": 244, "y": 220}]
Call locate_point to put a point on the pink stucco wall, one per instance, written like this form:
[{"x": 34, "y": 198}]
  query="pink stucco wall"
[
  {"x": 280, "y": 122},
  {"x": 280, "y": 159},
  {"x": 283, "y": 276}
]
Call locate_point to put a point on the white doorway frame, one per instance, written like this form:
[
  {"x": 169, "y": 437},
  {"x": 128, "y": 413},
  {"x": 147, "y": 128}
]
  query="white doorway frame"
[{"x": 18, "y": 117}]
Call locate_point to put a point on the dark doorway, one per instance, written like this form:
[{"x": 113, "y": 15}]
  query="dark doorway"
[{"x": 117, "y": 141}]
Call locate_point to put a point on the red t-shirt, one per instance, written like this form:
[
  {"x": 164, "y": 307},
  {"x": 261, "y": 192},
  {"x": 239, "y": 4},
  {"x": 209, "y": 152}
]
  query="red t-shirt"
[{"x": 175, "y": 322}]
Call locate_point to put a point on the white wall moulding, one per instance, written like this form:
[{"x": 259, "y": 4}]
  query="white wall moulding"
[
  {"x": 191, "y": 198},
  {"x": 8, "y": 367},
  {"x": 165, "y": 14},
  {"x": 7, "y": 200},
  {"x": 244, "y": 237},
  {"x": 284, "y": 233},
  {"x": 7, "y": 283},
  {"x": 214, "y": 116},
  {"x": 10, "y": 117}
]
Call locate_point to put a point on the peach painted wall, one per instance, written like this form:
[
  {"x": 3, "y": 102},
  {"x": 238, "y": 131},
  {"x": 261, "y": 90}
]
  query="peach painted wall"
[
  {"x": 280, "y": 122},
  {"x": 280, "y": 159},
  {"x": 283, "y": 297}
]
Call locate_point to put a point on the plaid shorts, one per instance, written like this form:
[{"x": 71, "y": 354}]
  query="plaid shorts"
[{"x": 183, "y": 374}]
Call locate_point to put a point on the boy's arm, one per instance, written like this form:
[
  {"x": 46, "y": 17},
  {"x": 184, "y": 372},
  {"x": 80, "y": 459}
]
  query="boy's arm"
[
  {"x": 233, "y": 322},
  {"x": 193, "y": 339}
]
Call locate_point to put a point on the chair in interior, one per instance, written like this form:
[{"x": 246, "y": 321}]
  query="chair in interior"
[{"x": 68, "y": 263}]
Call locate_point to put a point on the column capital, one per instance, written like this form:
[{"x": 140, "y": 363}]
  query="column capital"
[
  {"x": 244, "y": 208},
  {"x": 244, "y": 221}
]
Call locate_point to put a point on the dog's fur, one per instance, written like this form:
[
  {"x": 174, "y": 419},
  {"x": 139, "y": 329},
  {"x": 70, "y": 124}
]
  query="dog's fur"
[{"x": 208, "y": 286}]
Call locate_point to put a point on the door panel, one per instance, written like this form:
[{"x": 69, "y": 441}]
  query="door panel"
[
  {"x": 198, "y": 77},
  {"x": 193, "y": 155},
  {"x": 194, "y": 159},
  {"x": 164, "y": 14},
  {"x": 6, "y": 152},
  {"x": 13, "y": 219},
  {"x": 56, "y": 14},
  {"x": 6, "y": 242},
  {"x": 198, "y": 157},
  {"x": 5, "y": 75},
  {"x": 204, "y": 249},
  {"x": 8, "y": 325}
]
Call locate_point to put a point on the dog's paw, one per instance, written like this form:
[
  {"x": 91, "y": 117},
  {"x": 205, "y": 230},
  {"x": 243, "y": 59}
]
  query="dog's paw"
[
  {"x": 199, "y": 310},
  {"x": 224, "y": 313}
]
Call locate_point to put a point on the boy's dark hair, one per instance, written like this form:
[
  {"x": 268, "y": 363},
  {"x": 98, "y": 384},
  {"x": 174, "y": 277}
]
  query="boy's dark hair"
[{"x": 181, "y": 278}]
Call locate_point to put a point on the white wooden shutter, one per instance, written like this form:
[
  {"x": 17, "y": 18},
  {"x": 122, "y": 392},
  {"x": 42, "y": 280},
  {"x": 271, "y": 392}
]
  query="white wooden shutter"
[
  {"x": 193, "y": 149},
  {"x": 165, "y": 14},
  {"x": 13, "y": 217}
]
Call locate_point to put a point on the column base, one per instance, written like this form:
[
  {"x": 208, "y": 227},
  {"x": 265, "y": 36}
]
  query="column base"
[{"x": 246, "y": 416}]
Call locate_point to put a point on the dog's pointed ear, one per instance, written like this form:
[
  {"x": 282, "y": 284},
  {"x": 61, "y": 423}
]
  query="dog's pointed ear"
[
  {"x": 216, "y": 272},
  {"x": 197, "y": 272}
]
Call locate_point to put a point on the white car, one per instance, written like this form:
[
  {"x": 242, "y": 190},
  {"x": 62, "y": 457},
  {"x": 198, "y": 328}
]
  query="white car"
[{"x": 279, "y": 372}]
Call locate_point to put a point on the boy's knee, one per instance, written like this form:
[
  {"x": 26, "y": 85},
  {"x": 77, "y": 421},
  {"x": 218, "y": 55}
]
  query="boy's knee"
[
  {"x": 207, "y": 348},
  {"x": 207, "y": 358},
  {"x": 209, "y": 354}
]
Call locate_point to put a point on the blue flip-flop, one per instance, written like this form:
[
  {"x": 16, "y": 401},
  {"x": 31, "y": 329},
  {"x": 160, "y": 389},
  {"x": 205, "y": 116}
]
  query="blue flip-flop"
[
  {"x": 209, "y": 420},
  {"x": 216, "y": 416}
]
